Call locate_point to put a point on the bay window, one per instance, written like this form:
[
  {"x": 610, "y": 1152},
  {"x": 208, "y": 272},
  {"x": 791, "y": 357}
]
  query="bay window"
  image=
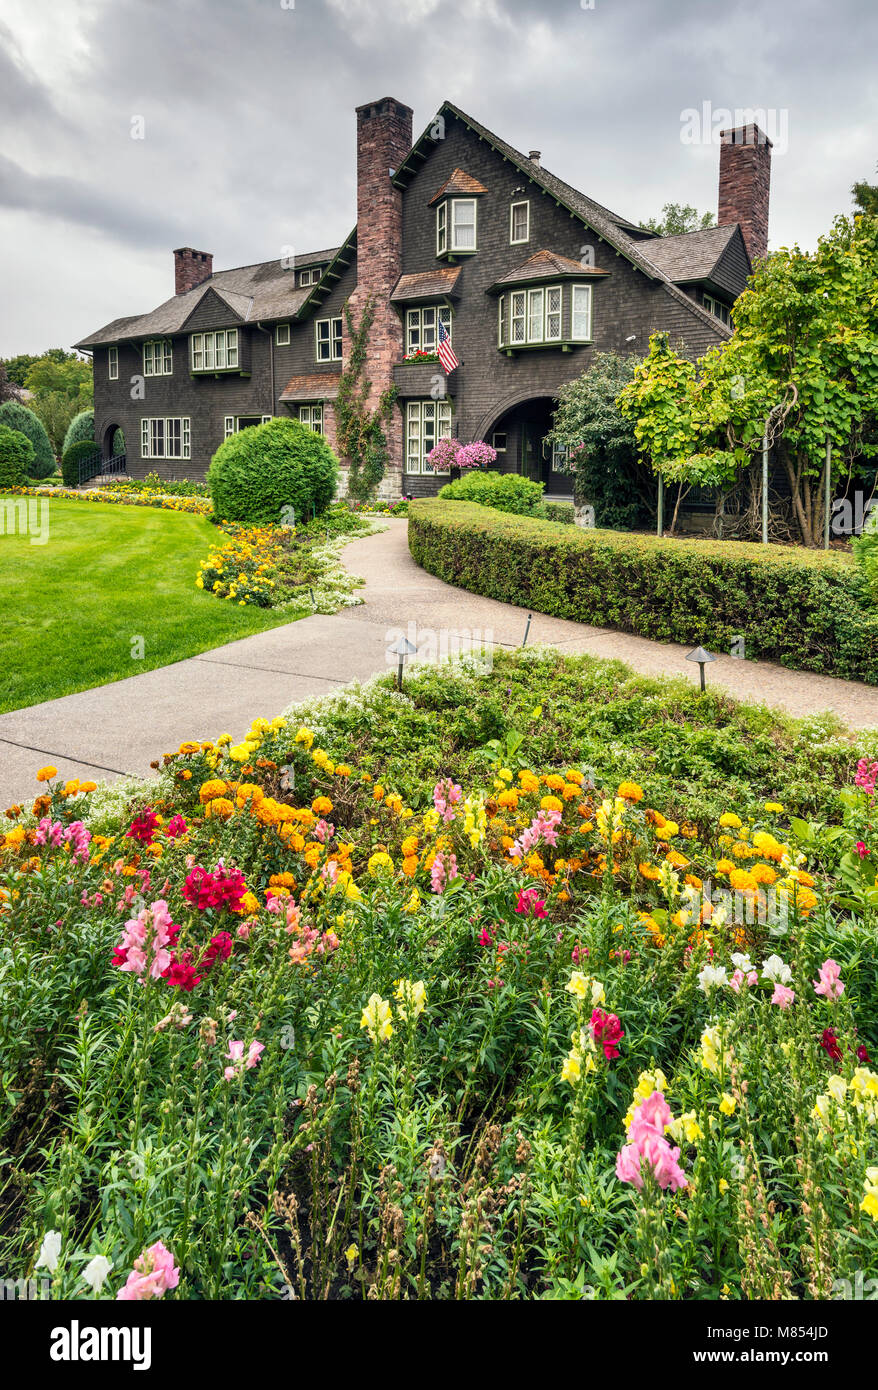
[
  {"x": 426, "y": 423},
  {"x": 421, "y": 327},
  {"x": 456, "y": 226},
  {"x": 215, "y": 352}
]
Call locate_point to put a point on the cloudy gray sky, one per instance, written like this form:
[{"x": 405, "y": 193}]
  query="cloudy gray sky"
[{"x": 247, "y": 115}]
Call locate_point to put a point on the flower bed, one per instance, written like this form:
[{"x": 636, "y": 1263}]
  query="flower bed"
[
  {"x": 271, "y": 1028},
  {"x": 803, "y": 608}
]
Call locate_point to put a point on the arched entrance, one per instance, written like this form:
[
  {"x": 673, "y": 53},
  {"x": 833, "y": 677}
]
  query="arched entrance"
[
  {"x": 519, "y": 434},
  {"x": 113, "y": 443}
]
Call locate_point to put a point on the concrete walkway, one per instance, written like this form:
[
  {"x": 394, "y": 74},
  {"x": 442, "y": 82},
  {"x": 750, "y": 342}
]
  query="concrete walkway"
[{"x": 120, "y": 728}]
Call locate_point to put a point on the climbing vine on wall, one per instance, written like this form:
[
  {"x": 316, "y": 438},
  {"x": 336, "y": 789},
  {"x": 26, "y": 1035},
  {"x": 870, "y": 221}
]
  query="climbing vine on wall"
[{"x": 360, "y": 432}]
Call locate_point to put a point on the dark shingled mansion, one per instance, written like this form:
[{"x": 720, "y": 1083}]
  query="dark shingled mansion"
[{"x": 529, "y": 276}]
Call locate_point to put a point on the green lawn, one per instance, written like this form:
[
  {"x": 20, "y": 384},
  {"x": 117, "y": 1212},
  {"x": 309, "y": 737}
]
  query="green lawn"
[{"x": 70, "y": 610}]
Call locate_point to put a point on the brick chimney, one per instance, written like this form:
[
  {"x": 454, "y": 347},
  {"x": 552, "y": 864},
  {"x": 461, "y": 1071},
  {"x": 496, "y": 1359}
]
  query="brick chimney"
[
  {"x": 384, "y": 138},
  {"x": 191, "y": 268},
  {"x": 744, "y": 179}
]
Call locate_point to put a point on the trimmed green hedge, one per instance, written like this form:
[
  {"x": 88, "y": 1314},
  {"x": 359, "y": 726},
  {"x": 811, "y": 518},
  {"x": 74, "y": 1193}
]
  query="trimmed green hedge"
[
  {"x": 18, "y": 417},
  {"x": 84, "y": 449},
  {"x": 803, "y": 608},
  {"x": 258, "y": 472},
  {"x": 559, "y": 511},
  {"x": 507, "y": 492},
  {"x": 81, "y": 427}
]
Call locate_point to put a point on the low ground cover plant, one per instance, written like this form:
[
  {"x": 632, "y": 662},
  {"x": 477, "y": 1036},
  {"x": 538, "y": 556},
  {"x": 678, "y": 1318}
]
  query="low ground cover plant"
[
  {"x": 806, "y": 609},
  {"x": 271, "y": 1027}
]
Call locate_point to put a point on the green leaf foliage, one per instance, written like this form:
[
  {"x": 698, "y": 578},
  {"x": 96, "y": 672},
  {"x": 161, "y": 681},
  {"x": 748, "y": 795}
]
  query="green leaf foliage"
[
  {"x": 256, "y": 473},
  {"x": 18, "y": 417}
]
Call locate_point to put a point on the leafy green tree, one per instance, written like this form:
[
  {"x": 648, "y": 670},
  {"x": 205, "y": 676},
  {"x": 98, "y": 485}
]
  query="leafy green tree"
[
  {"x": 16, "y": 457},
  {"x": 82, "y": 426},
  {"x": 18, "y": 417},
  {"x": 602, "y": 446},
  {"x": 17, "y": 367},
  {"x": 72, "y": 378},
  {"x": 677, "y": 218},
  {"x": 865, "y": 196}
]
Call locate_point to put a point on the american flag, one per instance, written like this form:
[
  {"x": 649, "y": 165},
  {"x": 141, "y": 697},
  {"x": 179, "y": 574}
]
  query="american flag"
[{"x": 445, "y": 350}]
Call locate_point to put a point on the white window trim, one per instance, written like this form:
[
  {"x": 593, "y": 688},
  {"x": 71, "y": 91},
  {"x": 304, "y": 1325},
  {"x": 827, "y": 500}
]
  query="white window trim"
[
  {"x": 458, "y": 250},
  {"x": 282, "y": 335},
  {"x": 146, "y": 431},
  {"x": 311, "y": 412},
  {"x": 586, "y": 289},
  {"x": 417, "y": 313},
  {"x": 161, "y": 363},
  {"x": 713, "y": 305},
  {"x": 444, "y": 426},
  {"x": 442, "y": 229},
  {"x": 113, "y": 364},
  {"x": 527, "y": 297},
  {"x": 500, "y": 434},
  {"x": 520, "y": 240},
  {"x": 333, "y": 339},
  {"x": 198, "y": 345}
]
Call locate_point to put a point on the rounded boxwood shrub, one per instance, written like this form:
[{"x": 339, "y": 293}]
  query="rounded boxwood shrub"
[
  {"x": 258, "y": 472},
  {"x": 507, "y": 492},
  {"x": 81, "y": 427},
  {"x": 16, "y": 457},
  {"x": 18, "y": 417},
  {"x": 73, "y": 457}
]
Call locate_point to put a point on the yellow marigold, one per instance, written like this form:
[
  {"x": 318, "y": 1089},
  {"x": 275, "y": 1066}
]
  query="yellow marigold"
[
  {"x": 14, "y": 836},
  {"x": 508, "y": 799},
  {"x": 799, "y": 876},
  {"x": 728, "y": 818},
  {"x": 569, "y": 792},
  {"x": 773, "y": 806},
  {"x": 189, "y": 747},
  {"x": 219, "y": 808},
  {"x": 649, "y": 871},
  {"x": 311, "y": 855},
  {"x": 724, "y": 866},
  {"x": 46, "y": 774},
  {"x": 321, "y": 805},
  {"x": 742, "y": 880},
  {"x": 248, "y": 791},
  {"x": 692, "y": 880},
  {"x": 667, "y": 831},
  {"x": 88, "y": 786},
  {"x": 630, "y": 791},
  {"x": 553, "y": 781},
  {"x": 378, "y": 792},
  {"x": 763, "y": 873},
  {"x": 551, "y": 803},
  {"x": 284, "y": 880},
  {"x": 295, "y": 841},
  {"x": 529, "y": 783},
  {"x": 380, "y": 862},
  {"x": 572, "y": 774},
  {"x": 410, "y": 865},
  {"x": 676, "y": 859},
  {"x": 249, "y": 904},
  {"x": 342, "y": 770},
  {"x": 409, "y": 846}
]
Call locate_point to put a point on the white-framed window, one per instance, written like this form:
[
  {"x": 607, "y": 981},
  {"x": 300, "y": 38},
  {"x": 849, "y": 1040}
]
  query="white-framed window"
[
  {"x": 580, "y": 313},
  {"x": 310, "y": 275},
  {"x": 441, "y": 229},
  {"x": 158, "y": 357},
  {"x": 718, "y": 309},
  {"x": 232, "y": 423},
  {"x": 328, "y": 340},
  {"x": 312, "y": 416},
  {"x": 519, "y": 223},
  {"x": 533, "y": 316},
  {"x": 560, "y": 455},
  {"x": 499, "y": 441},
  {"x": 463, "y": 224},
  {"x": 163, "y": 437},
  {"x": 421, "y": 327},
  {"x": 215, "y": 352},
  {"x": 282, "y": 335},
  {"x": 426, "y": 423},
  {"x": 113, "y": 363}
]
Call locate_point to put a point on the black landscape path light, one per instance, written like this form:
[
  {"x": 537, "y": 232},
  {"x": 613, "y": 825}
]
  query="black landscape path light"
[
  {"x": 702, "y": 657},
  {"x": 402, "y": 648}
]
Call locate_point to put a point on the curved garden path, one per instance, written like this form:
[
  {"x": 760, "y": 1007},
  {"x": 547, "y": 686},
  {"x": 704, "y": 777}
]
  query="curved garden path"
[{"x": 120, "y": 728}]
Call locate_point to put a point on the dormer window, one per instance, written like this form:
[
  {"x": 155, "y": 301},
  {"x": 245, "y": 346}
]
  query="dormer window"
[
  {"x": 456, "y": 226},
  {"x": 215, "y": 352},
  {"x": 310, "y": 275}
]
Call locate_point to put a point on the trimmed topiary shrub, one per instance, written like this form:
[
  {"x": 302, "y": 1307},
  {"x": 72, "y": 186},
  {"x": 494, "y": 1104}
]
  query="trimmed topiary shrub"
[
  {"x": 506, "y": 492},
  {"x": 16, "y": 457},
  {"x": 258, "y": 472},
  {"x": 806, "y": 609},
  {"x": 81, "y": 427},
  {"x": 18, "y": 417},
  {"x": 85, "y": 449},
  {"x": 559, "y": 511}
]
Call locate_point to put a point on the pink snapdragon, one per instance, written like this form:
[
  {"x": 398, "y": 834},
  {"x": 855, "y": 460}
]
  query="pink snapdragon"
[
  {"x": 55, "y": 833},
  {"x": 442, "y": 871},
  {"x": 176, "y": 826},
  {"x": 829, "y": 984},
  {"x": 446, "y": 795},
  {"x": 153, "y": 1274},
  {"x": 239, "y": 1061},
  {"x": 543, "y": 827},
  {"x": 866, "y": 776},
  {"x": 783, "y": 996},
  {"x": 530, "y": 904},
  {"x": 143, "y": 948},
  {"x": 648, "y": 1149}
]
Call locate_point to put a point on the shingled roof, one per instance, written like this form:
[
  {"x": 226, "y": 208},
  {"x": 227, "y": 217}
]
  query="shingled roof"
[
  {"x": 690, "y": 255},
  {"x": 266, "y": 290},
  {"x": 546, "y": 264},
  {"x": 426, "y": 284},
  {"x": 319, "y": 386},
  {"x": 458, "y": 184}
]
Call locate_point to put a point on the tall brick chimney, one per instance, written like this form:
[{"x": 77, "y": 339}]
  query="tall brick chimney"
[
  {"x": 384, "y": 138},
  {"x": 191, "y": 268},
  {"x": 744, "y": 179}
]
